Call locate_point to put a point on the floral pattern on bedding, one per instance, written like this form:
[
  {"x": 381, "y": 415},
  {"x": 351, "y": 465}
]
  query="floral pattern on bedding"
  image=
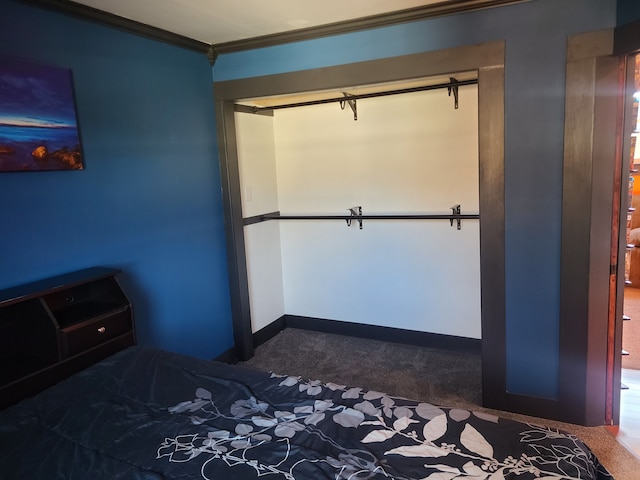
[
  {"x": 341, "y": 433},
  {"x": 146, "y": 414}
]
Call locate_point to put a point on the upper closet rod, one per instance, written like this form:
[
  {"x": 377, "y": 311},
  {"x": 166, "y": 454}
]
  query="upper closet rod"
[{"x": 453, "y": 84}]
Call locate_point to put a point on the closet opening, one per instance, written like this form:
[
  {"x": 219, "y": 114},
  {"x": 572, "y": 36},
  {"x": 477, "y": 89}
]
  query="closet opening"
[
  {"x": 388, "y": 255},
  {"x": 408, "y": 157}
]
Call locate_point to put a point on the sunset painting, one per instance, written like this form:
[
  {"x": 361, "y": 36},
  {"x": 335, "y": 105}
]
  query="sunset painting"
[{"x": 38, "y": 124}]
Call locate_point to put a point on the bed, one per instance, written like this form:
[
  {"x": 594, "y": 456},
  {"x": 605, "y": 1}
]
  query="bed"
[{"x": 147, "y": 414}]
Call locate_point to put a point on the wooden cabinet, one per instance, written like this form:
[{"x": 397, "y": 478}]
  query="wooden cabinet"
[{"x": 55, "y": 327}]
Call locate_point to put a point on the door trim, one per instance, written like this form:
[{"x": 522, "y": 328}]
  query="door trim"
[
  {"x": 488, "y": 61},
  {"x": 588, "y": 203}
]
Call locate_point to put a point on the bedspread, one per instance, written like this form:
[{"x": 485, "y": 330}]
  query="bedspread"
[{"x": 149, "y": 414}]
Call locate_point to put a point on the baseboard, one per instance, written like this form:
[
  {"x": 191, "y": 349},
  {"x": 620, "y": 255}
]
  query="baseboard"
[
  {"x": 229, "y": 356},
  {"x": 373, "y": 332},
  {"x": 261, "y": 336},
  {"x": 548, "y": 408},
  {"x": 267, "y": 333},
  {"x": 387, "y": 334}
]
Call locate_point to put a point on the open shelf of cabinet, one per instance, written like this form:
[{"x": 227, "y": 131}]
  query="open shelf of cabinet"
[{"x": 55, "y": 327}]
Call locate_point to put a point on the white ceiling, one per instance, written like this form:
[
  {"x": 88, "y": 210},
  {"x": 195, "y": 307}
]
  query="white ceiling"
[{"x": 220, "y": 21}]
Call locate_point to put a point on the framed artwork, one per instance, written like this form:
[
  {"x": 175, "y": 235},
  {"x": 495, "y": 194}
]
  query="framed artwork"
[{"x": 38, "y": 121}]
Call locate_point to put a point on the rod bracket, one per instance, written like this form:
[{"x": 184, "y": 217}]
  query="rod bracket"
[
  {"x": 455, "y": 215},
  {"x": 356, "y": 213},
  {"x": 453, "y": 88},
  {"x": 352, "y": 104}
]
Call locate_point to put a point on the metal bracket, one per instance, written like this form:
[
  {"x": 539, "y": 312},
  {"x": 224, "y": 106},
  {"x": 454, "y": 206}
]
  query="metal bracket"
[
  {"x": 356, "y": 212},
  {"x": 352, "y": 104},
  {"x": 454, "y": 89},
  {"x": 455, "y": 212}
]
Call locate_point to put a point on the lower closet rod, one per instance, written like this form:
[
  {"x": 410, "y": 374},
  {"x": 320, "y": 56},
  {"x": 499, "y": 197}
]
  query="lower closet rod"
[
  {"x": 447, "y": 216},
  {"x": 457, "y": 217}
]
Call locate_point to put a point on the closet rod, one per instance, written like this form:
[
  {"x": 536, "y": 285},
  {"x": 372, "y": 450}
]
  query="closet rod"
[
  {"x": 373, "y": 217},
  {"x": 457, "y": 83},
  {"x": 278, "y": 216}
]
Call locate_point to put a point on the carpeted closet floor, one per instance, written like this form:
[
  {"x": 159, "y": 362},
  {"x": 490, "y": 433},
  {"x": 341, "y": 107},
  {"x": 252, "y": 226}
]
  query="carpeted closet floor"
[{"x": 441, "y": 377}]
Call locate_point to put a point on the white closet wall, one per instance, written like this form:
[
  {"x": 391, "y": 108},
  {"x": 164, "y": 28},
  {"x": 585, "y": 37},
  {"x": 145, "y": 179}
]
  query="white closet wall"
[
  {"x": 258, "y": 183},
  {"x": 410, "y": 153}
]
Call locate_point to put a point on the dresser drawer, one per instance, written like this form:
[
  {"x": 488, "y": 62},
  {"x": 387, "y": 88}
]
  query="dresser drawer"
[{"x": 82, "y": 336}]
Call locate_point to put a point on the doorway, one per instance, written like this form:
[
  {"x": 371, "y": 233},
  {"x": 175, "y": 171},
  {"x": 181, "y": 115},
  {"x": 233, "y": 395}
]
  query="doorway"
[{"x": 628, "y": 431}]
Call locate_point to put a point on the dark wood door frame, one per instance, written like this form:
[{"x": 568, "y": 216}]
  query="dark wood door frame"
[
  {"x": 595, "y": 173},
  {"x": 593, "y": 227},
  {"x": 485, "y": 59}
]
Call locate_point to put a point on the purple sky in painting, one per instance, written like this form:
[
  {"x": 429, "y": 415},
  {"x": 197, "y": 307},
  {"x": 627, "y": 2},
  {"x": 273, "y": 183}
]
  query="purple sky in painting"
[{"x": 35, "y": 95}]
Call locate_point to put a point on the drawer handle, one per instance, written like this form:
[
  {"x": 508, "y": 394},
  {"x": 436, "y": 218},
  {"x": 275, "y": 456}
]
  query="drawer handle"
[{"x": 102, "y": 330}]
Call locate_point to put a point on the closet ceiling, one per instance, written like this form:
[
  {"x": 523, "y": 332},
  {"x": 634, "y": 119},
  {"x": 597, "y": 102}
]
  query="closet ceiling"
[{"x": 223, "y": 21}]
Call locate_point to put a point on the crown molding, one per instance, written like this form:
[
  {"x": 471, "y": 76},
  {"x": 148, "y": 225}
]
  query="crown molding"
[
  {"x": 373, "y": 21},
  {"x": 212, "y": 51},
  {"x": 131, "y": 26}
]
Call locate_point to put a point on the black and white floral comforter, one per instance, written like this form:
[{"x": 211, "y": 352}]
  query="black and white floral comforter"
[{"x": 148, "y": 414}]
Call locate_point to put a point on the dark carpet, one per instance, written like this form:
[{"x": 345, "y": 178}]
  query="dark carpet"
[{"x": 444, "y": 377}]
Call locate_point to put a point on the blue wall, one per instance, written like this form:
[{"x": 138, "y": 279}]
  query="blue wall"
[
  {"x": 149, "y": 200},
  {"x": 628, "y": 11},
  {"x": 536, "y": 38}
]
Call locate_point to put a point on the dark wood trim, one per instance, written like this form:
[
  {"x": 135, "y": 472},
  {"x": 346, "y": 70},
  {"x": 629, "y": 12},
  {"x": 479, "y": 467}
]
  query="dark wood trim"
[
  {"x": 486, "y": 59},
  {"x": 86, "y": 12},
  {"x": 261, "y": 336},
  {"x": 385, "y": 334},
  {"x": 384, "y": 70},
  {"x": 212, "y": 55},
  {"x": 626, "y": 39},
  {"x": 587, "y": 206},
  {"x": 606, "y": 116},
  {"x": 131, "y": 26},
  {"x": 492, "y": 237},
  {"x": 374, "y": 21},
  {"x": 234, "y": 230},
  {"x": 268, "y": 332},
  {"x": 359, "y": 330},
  {"x": 576, "y": 221}
]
